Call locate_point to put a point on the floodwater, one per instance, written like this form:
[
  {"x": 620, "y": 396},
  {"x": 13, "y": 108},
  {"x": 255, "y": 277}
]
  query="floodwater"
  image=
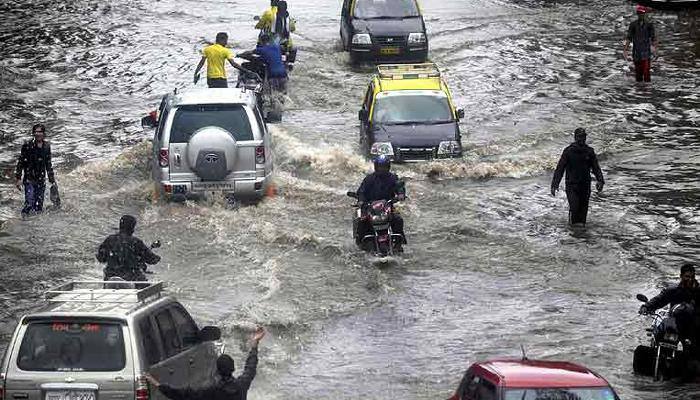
[{"x": 491, "y": 263}]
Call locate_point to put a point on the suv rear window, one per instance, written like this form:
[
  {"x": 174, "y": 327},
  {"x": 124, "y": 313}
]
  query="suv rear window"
[
  {"x": 189, "y": 119},
  {"x": 72, "y": 346}
]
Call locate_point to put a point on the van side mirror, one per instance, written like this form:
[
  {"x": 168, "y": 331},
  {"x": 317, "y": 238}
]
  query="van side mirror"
[
  {"x": 209, "y": 334},
  {"x": 460, "y": 113},
  {"x": 363, "y": 115},
  {"x": 150, "y": 120}
]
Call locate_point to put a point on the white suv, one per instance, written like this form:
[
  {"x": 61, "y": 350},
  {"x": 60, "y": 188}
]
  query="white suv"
[
  {"x": 210, "y": 140},
  {"x": 92, "y": 343}
]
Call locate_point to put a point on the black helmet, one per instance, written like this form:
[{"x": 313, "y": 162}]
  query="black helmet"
[
  {"x": 225, "y": 365},
  {"x": 127, "y": 224},
  {"x": 382, "y": 160}
]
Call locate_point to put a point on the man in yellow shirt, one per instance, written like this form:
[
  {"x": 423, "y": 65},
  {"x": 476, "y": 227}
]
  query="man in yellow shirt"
[{"x": 216, "y": 56}]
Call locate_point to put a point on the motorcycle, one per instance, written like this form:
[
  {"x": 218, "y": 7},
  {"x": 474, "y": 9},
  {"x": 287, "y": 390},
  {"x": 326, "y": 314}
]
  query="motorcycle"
[
  {"x": 128, "y": 279},
  {"x": 382, "y": 240},
  {"x": 270, "y": 93},
  {"x": 665, "y": 357}
]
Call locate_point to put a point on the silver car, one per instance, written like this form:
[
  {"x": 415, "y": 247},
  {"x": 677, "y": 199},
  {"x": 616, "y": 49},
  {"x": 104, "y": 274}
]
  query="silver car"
[
  {"x": 210, "y": 140},
  {"x": 92, "y": 343}
]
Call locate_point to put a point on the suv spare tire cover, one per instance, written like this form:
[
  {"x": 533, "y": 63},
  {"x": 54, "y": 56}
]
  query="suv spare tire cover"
[{"x": 211, "y": 153}]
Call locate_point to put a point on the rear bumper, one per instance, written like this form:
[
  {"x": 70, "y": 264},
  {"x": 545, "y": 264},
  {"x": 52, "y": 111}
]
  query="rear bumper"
[
  {"x": 242, "y": 188},
  {"x": 374, "y": 53}
]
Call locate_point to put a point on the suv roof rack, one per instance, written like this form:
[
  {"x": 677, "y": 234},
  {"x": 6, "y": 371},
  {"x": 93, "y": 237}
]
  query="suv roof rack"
[
  {"x": 408, "y": 71},
  {"x": 105, "y": 292}
]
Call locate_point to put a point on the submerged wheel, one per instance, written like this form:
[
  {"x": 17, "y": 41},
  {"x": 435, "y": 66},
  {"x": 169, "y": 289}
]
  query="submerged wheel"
[{"x": 643, "y": 361}]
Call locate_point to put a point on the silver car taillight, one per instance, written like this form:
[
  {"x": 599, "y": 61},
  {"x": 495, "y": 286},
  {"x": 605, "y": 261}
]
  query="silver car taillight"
[
  {"x": 142, "y": 391},
  {"x": 260, "y": 155},
  {"x": 2, "y": 386},
  {"x": 164, "y": 157}
]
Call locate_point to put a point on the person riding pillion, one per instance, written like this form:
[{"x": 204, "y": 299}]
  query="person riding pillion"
[
  {"x": 226, "y": 387},
  {"x": 33, "y": 166},
  {"x": 578, "y": 161},
  {"x": 271, "y": 53},
  {"x": 126, "y": 255},
  {"x": 382, "y": 184},
  {"x": 276, "y": 22},
  {"x": 215, "y": 57}
]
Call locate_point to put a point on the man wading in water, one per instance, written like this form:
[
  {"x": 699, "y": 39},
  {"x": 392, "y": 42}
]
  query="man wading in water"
[
  {"x": 645, "y": 44},
  {"x": 34, "y": 164},
  {"x": 578, "y": 161}
]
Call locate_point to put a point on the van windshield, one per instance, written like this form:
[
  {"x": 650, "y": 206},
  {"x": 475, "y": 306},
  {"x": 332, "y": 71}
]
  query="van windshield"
[
  {"x": 412, "y": 109},
  {"x": 603, "y": 393},
  {"x": 72, "y": 346},
  {"x": 389, "y": 9},
  {"x": 190, "y": 118}
]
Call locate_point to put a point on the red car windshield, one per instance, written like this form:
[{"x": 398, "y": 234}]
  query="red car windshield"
[{"x": 603, "y": 393}]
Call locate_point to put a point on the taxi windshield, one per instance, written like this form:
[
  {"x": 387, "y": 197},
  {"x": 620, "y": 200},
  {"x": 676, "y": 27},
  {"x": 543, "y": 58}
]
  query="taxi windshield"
[
  {"x": 389, "y": 9},
  {"x": 408, "y": 109},
  {"x": 602, "y": 393}
]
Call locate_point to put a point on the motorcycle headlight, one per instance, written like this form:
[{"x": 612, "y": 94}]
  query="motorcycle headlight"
[
  {"x": 449, "y": 147},
  {"x": 416, "y": 38},
  {"x": 361, "y": 38},
  {"x": 382, "y": 149},
  {"x": 671, "y": 337}
]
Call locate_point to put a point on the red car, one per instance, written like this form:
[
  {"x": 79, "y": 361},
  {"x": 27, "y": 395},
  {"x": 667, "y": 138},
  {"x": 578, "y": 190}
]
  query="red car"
[{"x": 532, "y": 380}]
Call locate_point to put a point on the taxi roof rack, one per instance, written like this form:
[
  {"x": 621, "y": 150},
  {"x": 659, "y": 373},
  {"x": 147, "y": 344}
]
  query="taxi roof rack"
[
  {"x": 105, "y": 292},
  {"x": 408, "y": 71}
]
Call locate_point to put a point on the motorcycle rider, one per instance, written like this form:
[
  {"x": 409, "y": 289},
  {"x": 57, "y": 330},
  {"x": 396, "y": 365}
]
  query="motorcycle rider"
[
  {"x": 380, "y": 185},
  {"x": 684, "y": 292},
  {"x": 275, "y": 21},
  {"x": 271, "y": 53},
  {"x": 126, "y": 255}
]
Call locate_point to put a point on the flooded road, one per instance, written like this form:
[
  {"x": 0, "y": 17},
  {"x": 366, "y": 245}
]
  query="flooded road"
[{"x": 490, "y": 264}]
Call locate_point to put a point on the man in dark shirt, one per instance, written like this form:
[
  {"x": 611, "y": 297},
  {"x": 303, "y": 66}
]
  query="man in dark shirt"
[
  {"x": 34, "y": 164},
  {"x": 126, "y": 256},
  {"x": 227, "y": 387},
  {"x": 380, "y": 185},
  {"x": 642, "y": 35},
  {"x": 578, "y": 161}
]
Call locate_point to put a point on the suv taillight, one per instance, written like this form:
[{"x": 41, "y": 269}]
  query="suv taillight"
[
  {"x": 164, "y": 157},
  {"x": 142, "y": 392},
  {"x": 260, "y": 155}
]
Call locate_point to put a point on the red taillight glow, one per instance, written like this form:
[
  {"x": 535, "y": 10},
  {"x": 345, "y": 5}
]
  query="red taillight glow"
[
  {"x": 260, "y": 155},
  {"x": 168, "y": 188},
  {"x": 164, "y": 157},
  {"x": 142, "y": 392}
]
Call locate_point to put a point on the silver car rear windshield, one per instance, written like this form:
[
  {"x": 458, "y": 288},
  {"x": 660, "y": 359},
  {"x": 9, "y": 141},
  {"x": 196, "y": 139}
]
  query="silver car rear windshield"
[
  {"x": 407, "y": 109},
  {"x": 603, "y": 393},
  {"x": 72, "y": 346},
  {"x": 190, "y": 118}
]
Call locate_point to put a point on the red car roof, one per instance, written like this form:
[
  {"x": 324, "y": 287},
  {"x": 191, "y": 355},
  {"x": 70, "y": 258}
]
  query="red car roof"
[{"x": 542, "y": 374}]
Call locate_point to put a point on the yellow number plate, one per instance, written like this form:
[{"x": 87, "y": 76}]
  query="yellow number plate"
[{"x": 389, "y": 51}]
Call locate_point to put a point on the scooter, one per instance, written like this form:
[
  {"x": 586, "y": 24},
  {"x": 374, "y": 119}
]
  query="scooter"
[
  {"x": 382, "y": 241},
  {"x": 665, "y": 356}
]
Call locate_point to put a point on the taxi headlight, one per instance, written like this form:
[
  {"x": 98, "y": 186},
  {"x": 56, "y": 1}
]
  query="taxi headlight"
[
  {"x": 416, "y": 38},
  {"x": 449, "y": 147},
  {"x": 382, "y": 149},
  {"x": 361, "y": 38}
]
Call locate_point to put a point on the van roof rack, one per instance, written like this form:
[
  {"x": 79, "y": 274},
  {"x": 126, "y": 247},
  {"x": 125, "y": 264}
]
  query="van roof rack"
[
  {"x": 105, "y": 292},
  {"x": 408, "y": 71}
]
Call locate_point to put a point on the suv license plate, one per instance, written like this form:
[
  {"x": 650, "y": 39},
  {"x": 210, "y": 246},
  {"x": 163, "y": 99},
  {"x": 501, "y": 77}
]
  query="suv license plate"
[
  {"x": 389, "y": 51},
  {"x": 212, "y": 186},
  {"x": 70, "y": 395}
]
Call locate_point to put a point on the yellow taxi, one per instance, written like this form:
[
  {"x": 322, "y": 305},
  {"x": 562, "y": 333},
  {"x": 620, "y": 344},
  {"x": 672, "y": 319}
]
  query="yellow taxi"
[{"x": 408, "y": 114}]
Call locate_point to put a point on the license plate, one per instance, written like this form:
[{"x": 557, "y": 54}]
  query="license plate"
[
  {"x": 70, "y": 395},
  {"x": 213, "y": 186},
  {"x": 389, "y": 51}
]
